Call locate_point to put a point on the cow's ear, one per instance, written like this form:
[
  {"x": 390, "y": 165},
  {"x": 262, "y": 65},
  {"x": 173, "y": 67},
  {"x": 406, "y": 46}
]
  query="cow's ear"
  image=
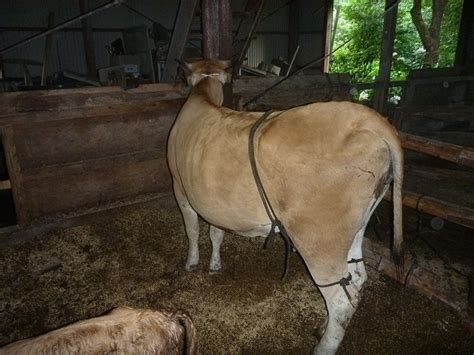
[
  {"x": 228, "y": 67},
  {"x": 187, "y": 68}
]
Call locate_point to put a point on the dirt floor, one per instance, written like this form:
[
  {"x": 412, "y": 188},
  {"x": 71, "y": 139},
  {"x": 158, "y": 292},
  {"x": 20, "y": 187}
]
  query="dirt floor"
[{"x": 135, "y": 256}]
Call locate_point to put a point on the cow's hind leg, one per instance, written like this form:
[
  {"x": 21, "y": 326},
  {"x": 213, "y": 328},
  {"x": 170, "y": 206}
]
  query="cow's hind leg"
[
  {"x": 355, "y": 263},
  {"x": 216, "y": 236},
  {"x": 340, "y": 310},
  {"x": 328, "y": 266},
  {"x": 191, "y": 223}
]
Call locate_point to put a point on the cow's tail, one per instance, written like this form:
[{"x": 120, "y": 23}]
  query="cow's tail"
[
  {"x": 187, "y": 323},
  {"x": 396, "y": 155}
]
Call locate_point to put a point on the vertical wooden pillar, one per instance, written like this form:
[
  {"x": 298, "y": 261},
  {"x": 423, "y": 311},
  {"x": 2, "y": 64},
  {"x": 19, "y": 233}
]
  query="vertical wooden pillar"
[
  {"x": 210, "y": 28},
  {"x": 217, "y": 35},
  {"x": 178, "y": 39},
  {"x": 225, "y": 30},
  {"x": 465, "y": 46},
  {"x": 388, "y": 40},
  {"x": 47, "y": 50},
  {"x": 293, "y": 27},
  {"x": 88, "y": 37},
  {"x": 328, "y": 35}
]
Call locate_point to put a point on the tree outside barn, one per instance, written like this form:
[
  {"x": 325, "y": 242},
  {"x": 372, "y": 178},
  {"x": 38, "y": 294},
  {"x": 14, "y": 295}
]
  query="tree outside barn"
[{"x": 426, "y": 36}]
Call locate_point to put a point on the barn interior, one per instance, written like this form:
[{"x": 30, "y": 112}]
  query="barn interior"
[{"x": 89, "y": 90}]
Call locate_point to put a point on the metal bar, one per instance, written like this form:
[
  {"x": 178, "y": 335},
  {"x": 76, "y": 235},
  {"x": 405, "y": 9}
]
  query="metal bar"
[{"x": 61, "y": 25}]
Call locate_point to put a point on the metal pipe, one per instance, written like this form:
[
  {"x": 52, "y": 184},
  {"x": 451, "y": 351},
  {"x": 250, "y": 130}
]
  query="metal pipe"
[{"x": 61, "y": 25}]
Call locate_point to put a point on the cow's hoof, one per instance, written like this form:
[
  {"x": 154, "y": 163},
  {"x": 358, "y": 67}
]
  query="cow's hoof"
[
  {"x": 214, "y": 271},
  {"x": 191, "y": 267}
]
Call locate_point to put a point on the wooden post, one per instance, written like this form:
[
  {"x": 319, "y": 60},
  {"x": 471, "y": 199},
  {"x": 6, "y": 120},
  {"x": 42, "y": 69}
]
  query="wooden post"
[
  {"x": 178, "y": 39},
  {"x": 465, "y": 46},
  {"x": 328, "y": 35},
  {"x": 293, "y": 27},
  {"x": 388, "y": 40},
  {"x": 225, "y": 43},
  {"x": 88, "y": 37},
  {"x": 225, "y": 30},
  {"x": 210, "y": 28},
  {"x": 47, "y": 50}
]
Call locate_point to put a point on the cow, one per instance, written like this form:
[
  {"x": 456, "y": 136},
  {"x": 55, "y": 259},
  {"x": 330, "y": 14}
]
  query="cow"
[
  {"x": 324, "y": 168},
  {"x": 122, "y": 331}
]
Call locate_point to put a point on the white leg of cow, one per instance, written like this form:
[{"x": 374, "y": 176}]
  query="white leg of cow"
[
  {"x": 191, "y": 223},
  {"x": 357, "y": 269},
  {"x": 340, "y": 310},
  {"x": 216, "y": 236}
]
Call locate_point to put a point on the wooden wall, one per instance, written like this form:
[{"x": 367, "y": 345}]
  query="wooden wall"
[{"x": 70, "y": 151}]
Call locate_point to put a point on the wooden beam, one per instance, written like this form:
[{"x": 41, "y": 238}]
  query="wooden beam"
[
  {"x": 293, "y": 27},
  {"x": 388, "y": 40},
  {"x": 225, "y": 29},
  {"x": 448, "y": 211},
  {"x": 210, "y": 28},
  {"x": 47, "y": 50},
  {"x": 225, "y": 43},
  {"x": 465, "y": 45},
  {"x": 246, "y": 31},
  {"x": 88, "y": 38},
  {"x": 328, "y": 35},
  {"x": 178, "y": 39},
  {"x": 447, "y": 151},
  {"x": 16, "y": 176}
]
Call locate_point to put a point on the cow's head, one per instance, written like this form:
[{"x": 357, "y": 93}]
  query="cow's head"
[{"x": 214, "y": 68}]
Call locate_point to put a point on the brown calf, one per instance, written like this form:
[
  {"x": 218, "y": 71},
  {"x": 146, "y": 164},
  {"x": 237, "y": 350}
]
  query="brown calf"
[{"x": 122, "y": 331}]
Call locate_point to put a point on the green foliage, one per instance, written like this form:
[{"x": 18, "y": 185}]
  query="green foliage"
[{"x": 362, "y": 20}]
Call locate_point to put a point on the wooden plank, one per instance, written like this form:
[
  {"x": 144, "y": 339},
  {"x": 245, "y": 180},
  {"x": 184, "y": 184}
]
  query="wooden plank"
[
  {"x": 15, "y": 174},
  {"x": 32, "y": 103},
  {"x": 58, "y": 142},
  {"x": 178, "y": 39},
  {"x": 88, "y": 38},
  {"x": 47, "y": 50},
  {"x": 145, "y": 88},
  {"x": 388, "y": 40},
  {"x": 95, "y": 183},
  {"x": 168, "y": 107},
  {"x": 451, "y": 152},
  {"x": 448, "y": 211}
]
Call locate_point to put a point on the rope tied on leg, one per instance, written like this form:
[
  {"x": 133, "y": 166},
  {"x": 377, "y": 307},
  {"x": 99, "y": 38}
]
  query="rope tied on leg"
[{"x": 344, "y": 282}]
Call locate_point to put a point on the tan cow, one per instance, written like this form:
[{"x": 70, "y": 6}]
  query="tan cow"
[
  {"x": 122, "y": 331},
  {"x": 324, "y": 167}
]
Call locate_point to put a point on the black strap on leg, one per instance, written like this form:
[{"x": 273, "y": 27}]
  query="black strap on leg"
[
  {"x": 276, "y": 223},
  {"x": 344, "y": 282},
  {"x": 352, "y": 261}
]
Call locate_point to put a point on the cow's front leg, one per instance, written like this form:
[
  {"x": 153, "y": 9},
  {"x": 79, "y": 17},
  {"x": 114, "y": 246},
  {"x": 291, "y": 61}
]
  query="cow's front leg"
[
  {"x": 191, "y": 223},
  {"x": 216, "y": 236}
]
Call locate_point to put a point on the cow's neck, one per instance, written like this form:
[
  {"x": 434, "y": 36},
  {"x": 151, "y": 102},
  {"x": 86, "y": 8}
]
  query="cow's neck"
[{"x": 210, "y": 89}]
